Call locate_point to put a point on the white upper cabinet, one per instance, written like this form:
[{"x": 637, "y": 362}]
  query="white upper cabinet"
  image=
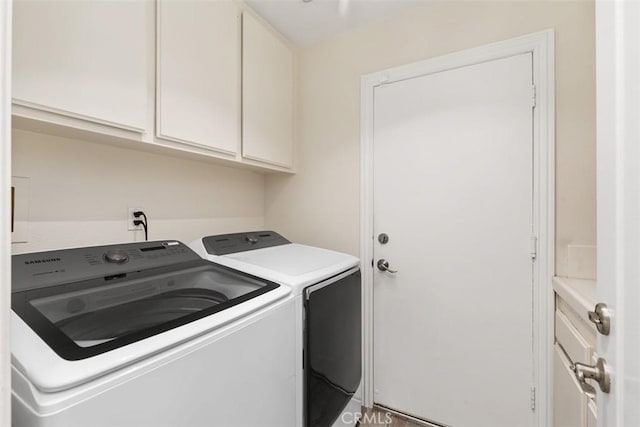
[
  {"x": 267, "y": 95},
  {"x": 198, "y": 73},
  {"x": 83, "y": 59},
  {"x": 171, "y": 76}
]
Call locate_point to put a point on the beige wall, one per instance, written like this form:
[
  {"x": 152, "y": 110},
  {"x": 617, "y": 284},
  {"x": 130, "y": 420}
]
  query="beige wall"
[
  {"x": 80, "y": 193},
  {"x": 320, "y": 205}
]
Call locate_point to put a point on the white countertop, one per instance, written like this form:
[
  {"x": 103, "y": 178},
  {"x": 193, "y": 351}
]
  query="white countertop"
[{"x": 580, "y": 294}]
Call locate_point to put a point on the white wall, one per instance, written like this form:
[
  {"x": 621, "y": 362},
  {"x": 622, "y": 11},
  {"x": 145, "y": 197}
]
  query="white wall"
[
  {"x": 80, "y": 192},
  {"x": 320, "y": 205}
]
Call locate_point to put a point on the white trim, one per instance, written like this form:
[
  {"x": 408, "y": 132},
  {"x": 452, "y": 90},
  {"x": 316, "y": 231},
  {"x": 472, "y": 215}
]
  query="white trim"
[
  {"x": 5, "y": 206},
  {"x": 541, "y": 45},
  {"x": 70, "y": 114}
]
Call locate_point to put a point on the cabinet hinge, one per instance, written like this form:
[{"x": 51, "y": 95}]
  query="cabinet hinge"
[
  {"x": 534, "y": 247},
  {"x": 533, "y": 96},
  {"x": 533, "y": 398}
]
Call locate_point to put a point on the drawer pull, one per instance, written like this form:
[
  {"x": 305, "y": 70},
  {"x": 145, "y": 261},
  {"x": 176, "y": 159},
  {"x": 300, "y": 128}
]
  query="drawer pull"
[{"x": 602, "y": 318}]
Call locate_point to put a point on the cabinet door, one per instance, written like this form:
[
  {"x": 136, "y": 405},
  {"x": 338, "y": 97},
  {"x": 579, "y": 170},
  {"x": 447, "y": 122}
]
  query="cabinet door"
[
  {"x": 267, "y": 95},
  {"x": 592, "y": 418},
  {"x": 571, "y": 341},
  {"x": 569, "y": 402},
  {"x": 83, "y": 59},
  {"x": 198, "y": 87}
]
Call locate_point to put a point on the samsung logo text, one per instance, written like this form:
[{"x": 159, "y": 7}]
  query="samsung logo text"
[{"x": 41, "y": 261}]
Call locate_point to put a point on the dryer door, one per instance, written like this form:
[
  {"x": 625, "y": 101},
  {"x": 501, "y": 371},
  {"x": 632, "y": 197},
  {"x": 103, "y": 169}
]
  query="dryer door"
[{"x": 333, "y": 337}]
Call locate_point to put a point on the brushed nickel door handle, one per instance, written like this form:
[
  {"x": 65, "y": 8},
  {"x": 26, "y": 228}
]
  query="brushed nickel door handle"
[
  {"x": 599, "y": 373},
  {"x": 383, "y": 265}
]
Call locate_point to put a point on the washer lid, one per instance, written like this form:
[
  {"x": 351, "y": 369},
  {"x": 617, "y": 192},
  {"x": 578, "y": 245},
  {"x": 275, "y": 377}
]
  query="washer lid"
[
  {"x": 93, "y": 315},
  {"x": 294, "y": 265},
  {"x": 77, "y": 316},
  {"x": 48, "y": 372},
  {"x": 86, "y": 318}
]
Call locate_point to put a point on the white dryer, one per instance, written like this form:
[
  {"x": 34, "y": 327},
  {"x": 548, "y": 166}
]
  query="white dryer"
[
  {"x": 148, "y": 334},
  {"x": 326, "y": 289}
]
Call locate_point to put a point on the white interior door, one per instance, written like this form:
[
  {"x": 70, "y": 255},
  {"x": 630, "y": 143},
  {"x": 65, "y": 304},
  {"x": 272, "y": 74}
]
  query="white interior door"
[
  {"x": 453, "y": 190},
  {"x": 618, "y": 108}
]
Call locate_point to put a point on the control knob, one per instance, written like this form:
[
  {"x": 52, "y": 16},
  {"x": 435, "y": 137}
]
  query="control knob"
[{"x": 116, "y": 256}]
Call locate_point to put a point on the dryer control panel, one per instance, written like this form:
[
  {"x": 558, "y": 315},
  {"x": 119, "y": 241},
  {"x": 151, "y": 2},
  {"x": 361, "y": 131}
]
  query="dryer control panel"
[
  {"x": 39, "y": 269},
  {"x": 224, "y": 244}
]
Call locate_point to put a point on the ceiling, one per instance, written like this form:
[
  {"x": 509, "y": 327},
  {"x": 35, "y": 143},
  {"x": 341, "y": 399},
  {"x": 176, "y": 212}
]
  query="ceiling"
[{"x": 305, "y": 23}]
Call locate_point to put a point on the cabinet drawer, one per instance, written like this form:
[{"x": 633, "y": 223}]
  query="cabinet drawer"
[
  {"x": 592, "y": 419},
  {"x": 571, "y": 341},
  {"x": 569, "y": 402}
]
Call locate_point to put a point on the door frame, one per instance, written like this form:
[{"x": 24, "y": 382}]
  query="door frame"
[
  {"x": 5, "y": 230},
  {"x": 541, "y": 45}
]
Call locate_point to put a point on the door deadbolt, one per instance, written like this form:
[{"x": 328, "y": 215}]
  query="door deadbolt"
[
  {"x": 383, "y": 238},
  {"x": 599, "y": 373},
  {"x": 602, "y": 318}
]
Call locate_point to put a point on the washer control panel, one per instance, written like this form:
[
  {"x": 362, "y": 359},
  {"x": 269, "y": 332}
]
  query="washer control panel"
[{"x": 39, "y": 269}]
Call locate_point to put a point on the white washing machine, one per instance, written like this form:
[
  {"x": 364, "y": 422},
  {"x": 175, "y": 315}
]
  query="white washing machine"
[
  {"x": 148, "y": 334},
  {"x": 326, "y": 289}
]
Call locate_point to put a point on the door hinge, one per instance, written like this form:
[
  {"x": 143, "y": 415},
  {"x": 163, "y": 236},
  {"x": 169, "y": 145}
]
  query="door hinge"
[
  {"x": 533, "y": 398},
  {"x": 534, "y": 247},
  {"x": 533, "y": 96}
]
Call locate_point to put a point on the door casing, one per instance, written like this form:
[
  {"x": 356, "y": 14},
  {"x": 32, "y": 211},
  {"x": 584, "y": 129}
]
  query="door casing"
[
  {"x": 541, "y": 45},
  {"x": 5, "y": 194}
]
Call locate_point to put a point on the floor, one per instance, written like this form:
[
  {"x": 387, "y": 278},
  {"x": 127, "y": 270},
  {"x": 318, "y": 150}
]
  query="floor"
[{"x": 380, "y": 417}]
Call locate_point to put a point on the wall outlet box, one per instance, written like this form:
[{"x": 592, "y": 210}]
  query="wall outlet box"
[
  {"x": 131, "y": 218},
  {"x": 19, "y": 209}
]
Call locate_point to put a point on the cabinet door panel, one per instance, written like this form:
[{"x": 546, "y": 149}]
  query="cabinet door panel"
[
  {"x": 198, "y": 89},
  {"x": 267, "y": 95},
  {"x": 569, "y": 402},
  {"x": 571, "y": 341},
  {"x": 84, "y": 59}
]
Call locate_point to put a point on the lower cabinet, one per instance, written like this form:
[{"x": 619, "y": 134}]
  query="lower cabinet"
[
  {"x": 574, "y": 342},
  {"x": 592, "y": 420},
  {"x": 569, "y": 402}
]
